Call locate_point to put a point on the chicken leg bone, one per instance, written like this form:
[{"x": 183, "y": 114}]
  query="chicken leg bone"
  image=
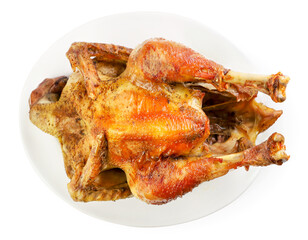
[
  {"x": 273, "y": 85},
  {"x": 270, "y": 152}
]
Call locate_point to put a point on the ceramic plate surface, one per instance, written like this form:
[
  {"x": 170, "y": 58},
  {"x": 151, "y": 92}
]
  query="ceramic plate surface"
[{"x": 129, "y": 30}]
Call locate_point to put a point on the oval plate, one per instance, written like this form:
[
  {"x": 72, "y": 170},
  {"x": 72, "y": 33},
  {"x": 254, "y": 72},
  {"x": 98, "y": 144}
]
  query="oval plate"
[{"x": 129, "y": 30}]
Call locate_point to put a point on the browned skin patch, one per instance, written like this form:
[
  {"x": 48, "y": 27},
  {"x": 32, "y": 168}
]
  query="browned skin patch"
[{"x": 49, "y": 85}]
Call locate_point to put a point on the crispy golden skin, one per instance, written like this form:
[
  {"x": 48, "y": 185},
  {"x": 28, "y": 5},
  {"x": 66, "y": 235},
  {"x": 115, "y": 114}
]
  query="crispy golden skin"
[{"x": 155, "y": 121}]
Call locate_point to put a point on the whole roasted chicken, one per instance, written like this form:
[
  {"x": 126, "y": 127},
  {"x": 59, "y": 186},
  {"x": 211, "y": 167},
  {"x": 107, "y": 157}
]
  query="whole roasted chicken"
[{"x": 156, "y": 121}]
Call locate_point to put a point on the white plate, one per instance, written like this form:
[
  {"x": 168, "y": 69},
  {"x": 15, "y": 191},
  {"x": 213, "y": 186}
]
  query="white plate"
[{"x": 129, "y": 30}]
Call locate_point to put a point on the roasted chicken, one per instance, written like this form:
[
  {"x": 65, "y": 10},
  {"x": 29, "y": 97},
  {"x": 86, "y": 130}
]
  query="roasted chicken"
[{"x": 156, "y": 121}]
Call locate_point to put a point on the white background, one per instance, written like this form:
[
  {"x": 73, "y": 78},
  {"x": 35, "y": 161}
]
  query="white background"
[{"x": 272, "y": 33}]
